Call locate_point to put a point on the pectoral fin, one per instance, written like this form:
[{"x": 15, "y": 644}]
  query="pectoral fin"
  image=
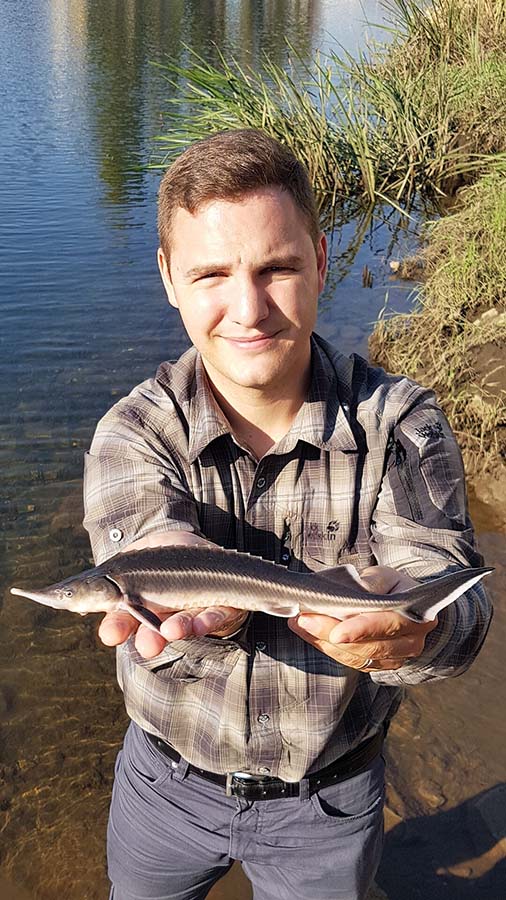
[{"x": 135, "y": 606}]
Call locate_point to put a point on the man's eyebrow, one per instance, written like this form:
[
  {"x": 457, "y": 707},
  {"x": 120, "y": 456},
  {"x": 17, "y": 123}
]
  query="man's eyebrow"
[
  {"x": 205, "y": 268},
  {"x": 289, "y": 261}
]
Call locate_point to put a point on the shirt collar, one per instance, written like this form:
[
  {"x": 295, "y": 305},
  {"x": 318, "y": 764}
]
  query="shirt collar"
[
  {"x": 206, "y": 420},
  {"x": 321, "y": 421}
]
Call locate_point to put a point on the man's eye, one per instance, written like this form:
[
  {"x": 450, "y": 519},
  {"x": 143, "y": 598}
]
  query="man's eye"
[
  {"x": 280, "y": 269},
  {"x": 209, "y": 275}
]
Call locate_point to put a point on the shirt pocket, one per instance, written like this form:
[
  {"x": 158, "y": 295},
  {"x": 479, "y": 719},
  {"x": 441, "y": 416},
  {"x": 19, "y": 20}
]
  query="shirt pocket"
[
  {"x": 322, "y": 553},
  {"x": 188, "y": 670},
  {"x": 189, "y": 661}
]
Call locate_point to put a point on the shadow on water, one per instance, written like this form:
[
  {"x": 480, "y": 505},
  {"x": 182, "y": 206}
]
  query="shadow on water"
[{"x": 420, "y": 861}]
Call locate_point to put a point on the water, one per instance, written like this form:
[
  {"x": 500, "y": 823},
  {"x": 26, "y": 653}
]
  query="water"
[{"x": 83, "y": 319}]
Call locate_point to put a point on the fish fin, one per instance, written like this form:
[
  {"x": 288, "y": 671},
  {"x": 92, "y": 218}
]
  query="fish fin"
[
  {"x": 283, "y": 611},
  {"x": 425, "y": 609},
  {"x": 145, "y": 616},
  {"x": 344, "y": 576}
]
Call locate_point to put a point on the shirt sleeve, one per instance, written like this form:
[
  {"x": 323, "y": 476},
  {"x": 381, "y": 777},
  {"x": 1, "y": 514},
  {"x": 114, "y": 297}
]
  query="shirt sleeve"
[
  {"x": 421, "y": 526},
  {"x": 132, "y": 487}
]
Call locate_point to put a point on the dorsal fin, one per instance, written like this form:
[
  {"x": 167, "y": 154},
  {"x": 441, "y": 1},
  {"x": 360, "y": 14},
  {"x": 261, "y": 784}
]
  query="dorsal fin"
[{"x": 345, "y": 576}]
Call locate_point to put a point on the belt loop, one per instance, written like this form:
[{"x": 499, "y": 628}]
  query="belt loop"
[
  {"x": 304, "y": 789},
  {"x": 180, "y": 769}
]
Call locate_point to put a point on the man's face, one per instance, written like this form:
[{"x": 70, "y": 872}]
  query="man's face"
[{"x": 246, "y": 277}]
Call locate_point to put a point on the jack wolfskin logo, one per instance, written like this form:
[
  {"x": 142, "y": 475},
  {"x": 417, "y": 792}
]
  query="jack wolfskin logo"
[
  {"x": 316, "y": 533},
  {"x": 432, "y": 432}
]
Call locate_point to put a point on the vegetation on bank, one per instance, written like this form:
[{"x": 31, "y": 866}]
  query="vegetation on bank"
[
  {"x": 454, "y": 341},
  {"x": 420, "y": 116}
]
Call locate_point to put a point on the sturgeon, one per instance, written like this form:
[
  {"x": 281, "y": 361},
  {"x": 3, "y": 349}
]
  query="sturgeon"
[{"x": 150, "y": 581}]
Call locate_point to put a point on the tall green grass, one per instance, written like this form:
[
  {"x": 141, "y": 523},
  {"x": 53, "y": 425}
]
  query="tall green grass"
[{"x": 403, "y": 120}]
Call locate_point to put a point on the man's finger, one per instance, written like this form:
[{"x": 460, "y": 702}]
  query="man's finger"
[
  {"x": 116, "y": 627},
  {"x": 219, "y": 620},
  {"x": 341, "y": 654},
  {"x": 148, "y": 643},
  {"x": 399, "y": 648},
  {"x": 216, "y": 620},
  {"x": 370, "y": 626},
  {"x": 364, "y": 627},
  {"x": 179, "y": 625},
  {"x": 379, "y": 627}
]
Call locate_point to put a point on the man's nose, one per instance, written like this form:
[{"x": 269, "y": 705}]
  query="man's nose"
[{"x": 249, "y": 303}]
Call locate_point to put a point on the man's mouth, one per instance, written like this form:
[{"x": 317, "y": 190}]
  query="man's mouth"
[{"x": 252, "y": 342}]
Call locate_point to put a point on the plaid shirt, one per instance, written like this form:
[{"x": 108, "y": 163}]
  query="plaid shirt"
[{"x": 368, "y": 473}]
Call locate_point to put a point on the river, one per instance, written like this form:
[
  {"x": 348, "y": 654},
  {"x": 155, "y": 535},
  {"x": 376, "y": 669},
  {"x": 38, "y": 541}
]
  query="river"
[{"x": 83, "y": 320}]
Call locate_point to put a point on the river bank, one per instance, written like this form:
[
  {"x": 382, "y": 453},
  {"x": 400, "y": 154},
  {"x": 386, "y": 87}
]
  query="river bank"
[{"x": 454, "y": 339}]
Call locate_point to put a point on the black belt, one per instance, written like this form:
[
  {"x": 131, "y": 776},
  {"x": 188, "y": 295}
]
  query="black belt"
[{"x": 264, "y": 787}]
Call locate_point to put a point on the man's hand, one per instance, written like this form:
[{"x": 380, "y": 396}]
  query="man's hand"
[
  {"x": 220, "y": 621},
  {"x": 385, "y": 639}
]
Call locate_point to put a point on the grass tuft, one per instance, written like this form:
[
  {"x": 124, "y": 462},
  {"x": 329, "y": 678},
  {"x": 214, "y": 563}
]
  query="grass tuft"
[{"x": 420, "y": 115}]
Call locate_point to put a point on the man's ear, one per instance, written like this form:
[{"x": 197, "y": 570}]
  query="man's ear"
[
  {"x": 321, "y": 261},
  {"x": 165, "y": 275}
]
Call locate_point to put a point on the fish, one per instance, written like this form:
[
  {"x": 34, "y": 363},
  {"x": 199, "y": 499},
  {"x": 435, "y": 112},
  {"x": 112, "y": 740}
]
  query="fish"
[{"x": 153, "y": 580}]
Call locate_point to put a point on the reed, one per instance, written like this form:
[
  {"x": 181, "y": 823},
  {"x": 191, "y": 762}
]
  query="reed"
[{"x": 403, "y": 120}]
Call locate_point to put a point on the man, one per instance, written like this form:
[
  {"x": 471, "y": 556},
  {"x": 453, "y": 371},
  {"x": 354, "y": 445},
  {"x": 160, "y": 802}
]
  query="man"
[{"x": 253, "y": 738}]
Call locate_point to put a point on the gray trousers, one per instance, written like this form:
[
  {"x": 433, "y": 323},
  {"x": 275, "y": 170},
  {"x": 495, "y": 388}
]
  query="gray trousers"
[{"x": 172, "y": 835}]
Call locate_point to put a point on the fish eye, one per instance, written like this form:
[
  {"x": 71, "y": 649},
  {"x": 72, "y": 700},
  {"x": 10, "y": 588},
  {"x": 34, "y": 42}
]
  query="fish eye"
[{"x": 68, "y": 593}]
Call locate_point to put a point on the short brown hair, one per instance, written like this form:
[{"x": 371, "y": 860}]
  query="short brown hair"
[{"x": 226, "y": 166}]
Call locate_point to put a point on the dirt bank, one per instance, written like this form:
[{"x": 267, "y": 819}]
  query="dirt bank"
[{"x": 454, "y": 340}]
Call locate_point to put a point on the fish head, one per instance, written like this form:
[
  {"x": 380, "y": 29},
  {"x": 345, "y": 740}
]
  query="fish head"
[{"x": 81, "y": 594}]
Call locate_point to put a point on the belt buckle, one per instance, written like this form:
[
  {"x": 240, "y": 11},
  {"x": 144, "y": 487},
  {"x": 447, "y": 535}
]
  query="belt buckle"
[{"x": 247, "y": 776}]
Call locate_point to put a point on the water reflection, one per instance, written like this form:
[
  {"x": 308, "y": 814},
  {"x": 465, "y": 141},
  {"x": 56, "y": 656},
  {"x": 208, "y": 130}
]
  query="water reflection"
[
  {"x": 112, "y": 44},
  {"x": 109, "y": 46}
]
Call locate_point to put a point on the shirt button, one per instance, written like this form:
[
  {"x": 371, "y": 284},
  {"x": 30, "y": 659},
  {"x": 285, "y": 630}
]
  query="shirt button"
[
  {"x": 115, "y": 535},
  {"x": 285, "y": 556},
  {"x": 264, "y": 770},
  {"x": 263, "y": 718},
  {"x": 260, "y": 645},
  {"x": 261, "y": 482}
]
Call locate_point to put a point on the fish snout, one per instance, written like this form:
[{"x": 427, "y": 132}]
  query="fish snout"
[{"x": 47, "y": 598}]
